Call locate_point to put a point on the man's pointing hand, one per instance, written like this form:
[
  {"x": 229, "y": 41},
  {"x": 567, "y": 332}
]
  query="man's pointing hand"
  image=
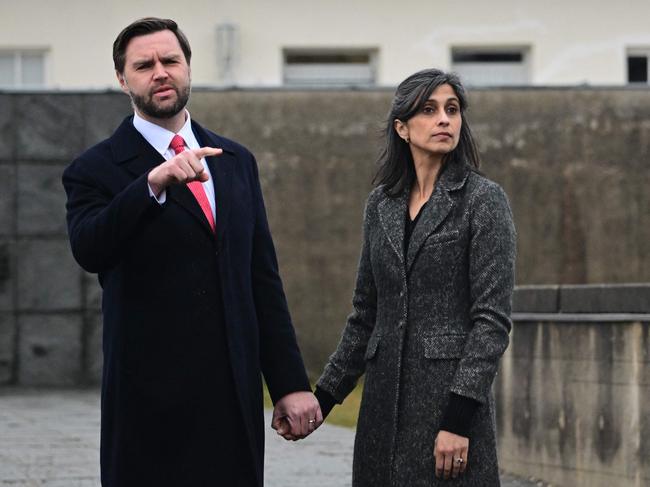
[{"x": 183, "y": 168}]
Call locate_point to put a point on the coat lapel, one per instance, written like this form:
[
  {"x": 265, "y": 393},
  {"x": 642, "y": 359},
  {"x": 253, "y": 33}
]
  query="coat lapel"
[
  {"x": 137, "y": 156},
  {"x": 434, "y": 213},
  {"x": 392, "y": 215},
  {"x": 182, "y": 195},
  {"x": 132, "y": 151},
  {"x": 221, "y": 169},
  {"x": 438, "y": 207}
]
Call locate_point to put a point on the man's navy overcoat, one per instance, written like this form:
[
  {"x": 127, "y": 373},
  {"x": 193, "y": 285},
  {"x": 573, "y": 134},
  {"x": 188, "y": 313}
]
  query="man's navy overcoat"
[{"x": 191, "y": 318}]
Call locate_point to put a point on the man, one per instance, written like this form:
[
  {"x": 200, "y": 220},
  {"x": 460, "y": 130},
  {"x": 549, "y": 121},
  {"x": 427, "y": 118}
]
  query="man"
[{"x": 171, "y": 217}]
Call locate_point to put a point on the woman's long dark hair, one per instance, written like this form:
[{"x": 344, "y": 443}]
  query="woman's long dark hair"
[{"x": 396, "y": 169}]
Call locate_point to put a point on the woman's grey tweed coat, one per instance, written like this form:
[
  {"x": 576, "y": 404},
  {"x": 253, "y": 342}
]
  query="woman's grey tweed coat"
[{"x": 435, "y": 323}]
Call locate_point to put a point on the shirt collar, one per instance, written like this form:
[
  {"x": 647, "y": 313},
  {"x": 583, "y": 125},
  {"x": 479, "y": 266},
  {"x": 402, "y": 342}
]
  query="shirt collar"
[{"x": 160, "y": 137}]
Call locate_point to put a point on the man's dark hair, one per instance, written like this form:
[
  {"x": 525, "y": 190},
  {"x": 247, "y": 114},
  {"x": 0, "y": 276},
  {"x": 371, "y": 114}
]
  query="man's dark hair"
[
  {"x": 147, "y": 25},
  {"x": 396, "y": 170}
]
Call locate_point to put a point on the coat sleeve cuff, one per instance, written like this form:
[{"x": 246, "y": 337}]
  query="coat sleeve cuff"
[
  {"x": 298, "y": 383},
  {"x": 457, "y": 418},
  {"x": 326, "y": 401},
  {"x": 161, "y": 199}
]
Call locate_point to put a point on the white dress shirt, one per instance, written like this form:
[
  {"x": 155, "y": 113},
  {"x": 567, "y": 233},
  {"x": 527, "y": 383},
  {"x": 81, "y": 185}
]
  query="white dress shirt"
[{"x": 160, "y": 138}]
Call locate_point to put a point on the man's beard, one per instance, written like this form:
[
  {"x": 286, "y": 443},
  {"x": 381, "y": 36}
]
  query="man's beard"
[{"x": 146, "y": 105}]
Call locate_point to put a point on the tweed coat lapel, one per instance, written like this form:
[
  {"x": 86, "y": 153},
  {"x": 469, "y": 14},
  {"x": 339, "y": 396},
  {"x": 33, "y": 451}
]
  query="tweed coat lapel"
[
  {"x": 438, "y": 207},
  {"x": 433, "y": 214},
  {"x": 392, "y": 215}
]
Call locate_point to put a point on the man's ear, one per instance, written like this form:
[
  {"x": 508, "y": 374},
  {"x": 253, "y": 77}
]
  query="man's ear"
[{"x": 122, "y": 80}]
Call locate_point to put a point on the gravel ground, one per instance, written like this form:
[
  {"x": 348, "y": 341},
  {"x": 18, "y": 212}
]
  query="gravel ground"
[{"x": 50, "y": 438}]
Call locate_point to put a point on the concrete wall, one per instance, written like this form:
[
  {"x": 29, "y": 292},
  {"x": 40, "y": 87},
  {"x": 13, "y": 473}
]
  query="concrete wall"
[
  {"x": 568, "y": 43},
  {"x": 50, "y": 324},
  {"x": 574, "y": 163},
  {"x": 573, "y": 391}
]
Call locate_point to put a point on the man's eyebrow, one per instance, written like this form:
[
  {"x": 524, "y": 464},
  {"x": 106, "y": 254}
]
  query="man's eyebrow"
[
  {"x": 170, "y": 57},
  {"x": 143, "y": 62}
]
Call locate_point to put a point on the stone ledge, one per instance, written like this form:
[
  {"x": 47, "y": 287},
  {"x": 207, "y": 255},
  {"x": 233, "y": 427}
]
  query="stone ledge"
[
  {"x": 622, "y": 299},
  {"x": 536, "y": 299},
  {"x": 605, "y": 298},
  {"x": 587, "y": 318}
]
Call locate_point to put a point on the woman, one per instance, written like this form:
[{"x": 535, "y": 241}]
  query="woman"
[{"x": 431, "y": 303}]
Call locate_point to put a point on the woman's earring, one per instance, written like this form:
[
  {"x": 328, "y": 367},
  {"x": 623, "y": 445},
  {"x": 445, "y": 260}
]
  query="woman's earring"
[{"x": 407, "y": 140}]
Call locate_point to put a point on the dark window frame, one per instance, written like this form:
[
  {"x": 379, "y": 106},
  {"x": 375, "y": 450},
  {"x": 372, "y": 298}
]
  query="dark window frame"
[{"x": 637, "y": 68}]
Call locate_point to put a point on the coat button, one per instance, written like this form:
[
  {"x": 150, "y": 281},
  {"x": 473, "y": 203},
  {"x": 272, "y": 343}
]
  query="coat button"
[{"x": 400, "y": 324}]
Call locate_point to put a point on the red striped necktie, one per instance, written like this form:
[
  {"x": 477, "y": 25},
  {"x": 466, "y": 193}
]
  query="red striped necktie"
[{"x": 196, "y": 187}]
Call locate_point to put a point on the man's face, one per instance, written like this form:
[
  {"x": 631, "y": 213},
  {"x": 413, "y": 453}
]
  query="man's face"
[{"x": 156, "y": 75}]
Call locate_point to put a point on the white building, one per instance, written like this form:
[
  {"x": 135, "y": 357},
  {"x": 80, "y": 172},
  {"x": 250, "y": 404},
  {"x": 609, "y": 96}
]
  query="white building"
[{"x": 66, "y": 44}]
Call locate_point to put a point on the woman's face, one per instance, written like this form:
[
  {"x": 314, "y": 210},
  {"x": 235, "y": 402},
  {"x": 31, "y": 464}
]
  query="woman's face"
[{"x": 435, "y": 129}]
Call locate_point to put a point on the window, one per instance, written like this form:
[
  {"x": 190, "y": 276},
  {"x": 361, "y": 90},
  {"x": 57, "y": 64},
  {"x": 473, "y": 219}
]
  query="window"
[
  {"x": 491, "y": 67},
  {"x": 637, "y": 65},
  {"x": 22, "y": 69},
  {"x": 329, "y": 67}
]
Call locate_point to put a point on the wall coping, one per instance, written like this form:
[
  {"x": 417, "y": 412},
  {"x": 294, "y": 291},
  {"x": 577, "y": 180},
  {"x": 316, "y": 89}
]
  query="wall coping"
[
  {"x": 302, "y": 89},
  {"x": 587, "y": 318},
  {"x": 629, "y": 302}
]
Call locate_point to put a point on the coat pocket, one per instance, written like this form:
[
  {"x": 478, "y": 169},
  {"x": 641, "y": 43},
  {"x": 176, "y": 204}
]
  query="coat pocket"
[
  {"x": 437, "y": 238},
  {"x": 448, "y": 346},
  {"x": 371, "y": 348}
]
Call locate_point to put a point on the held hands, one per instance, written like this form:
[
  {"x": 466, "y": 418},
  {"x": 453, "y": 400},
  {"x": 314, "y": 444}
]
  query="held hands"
[
  {"x": 296, "y": 415},
  {"x": 180, "y": 169},
  {"x": 450, "y": 452}
]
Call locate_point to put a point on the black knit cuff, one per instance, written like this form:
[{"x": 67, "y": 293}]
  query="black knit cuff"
[
  {"x": 457, "y": 418},
  {"x": 326, "y": 401}
]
